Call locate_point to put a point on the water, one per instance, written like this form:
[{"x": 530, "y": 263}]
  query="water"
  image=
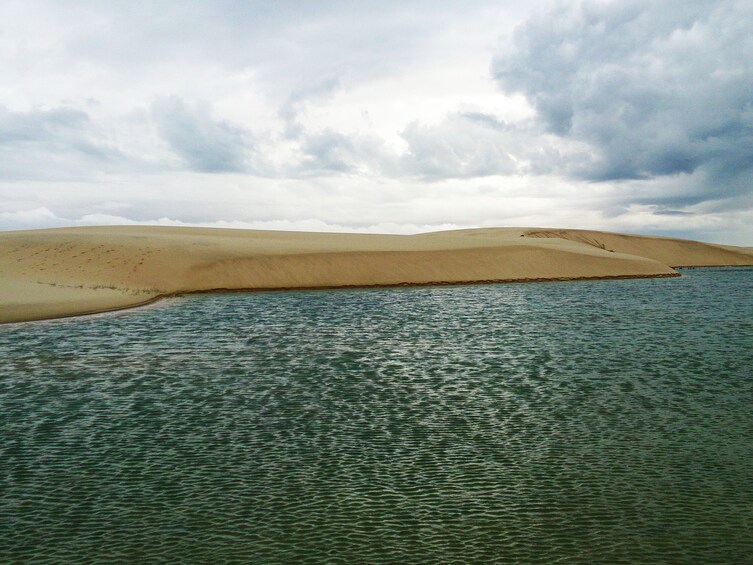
[{"x": 558, "y": 422}]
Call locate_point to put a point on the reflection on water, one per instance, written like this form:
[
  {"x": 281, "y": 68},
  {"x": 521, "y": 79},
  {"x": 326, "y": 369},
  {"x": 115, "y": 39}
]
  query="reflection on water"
[{"x": 575, "y": 421}]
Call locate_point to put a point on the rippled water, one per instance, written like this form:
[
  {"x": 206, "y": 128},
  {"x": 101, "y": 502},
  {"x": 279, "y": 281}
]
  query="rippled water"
[{"x": 571, "y": 422}]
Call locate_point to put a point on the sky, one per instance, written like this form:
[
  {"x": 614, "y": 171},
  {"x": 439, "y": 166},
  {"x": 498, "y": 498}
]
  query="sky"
[{"x": 386, "y": 116}]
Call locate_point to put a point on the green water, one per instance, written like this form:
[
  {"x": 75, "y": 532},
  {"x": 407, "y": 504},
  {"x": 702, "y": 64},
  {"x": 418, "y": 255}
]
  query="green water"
[{"x": 560, "y": 422}]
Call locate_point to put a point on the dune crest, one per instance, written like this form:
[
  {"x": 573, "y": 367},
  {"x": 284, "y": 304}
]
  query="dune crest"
[{"x": 62, "y": 272}]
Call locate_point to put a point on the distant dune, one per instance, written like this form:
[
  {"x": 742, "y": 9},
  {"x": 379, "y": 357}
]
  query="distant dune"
[{"x": 63, "y": 272}]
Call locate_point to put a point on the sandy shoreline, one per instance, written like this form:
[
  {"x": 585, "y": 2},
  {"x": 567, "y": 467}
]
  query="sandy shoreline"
[{"x": 65, "y": 272}]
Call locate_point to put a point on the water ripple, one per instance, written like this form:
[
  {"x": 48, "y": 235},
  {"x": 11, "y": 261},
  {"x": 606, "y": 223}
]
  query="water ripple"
[{"x": 599, "y": 421}]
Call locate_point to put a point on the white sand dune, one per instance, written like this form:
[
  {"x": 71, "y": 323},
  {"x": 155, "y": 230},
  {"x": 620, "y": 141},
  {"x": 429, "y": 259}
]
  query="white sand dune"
[{"x": 62, "y": 272}]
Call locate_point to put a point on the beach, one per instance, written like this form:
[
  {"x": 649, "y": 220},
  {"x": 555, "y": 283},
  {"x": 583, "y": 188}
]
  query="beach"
[{"x": 72, "y": 271}]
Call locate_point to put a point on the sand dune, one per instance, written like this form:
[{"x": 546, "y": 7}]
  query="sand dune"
[{"x": 61, "y": 272}]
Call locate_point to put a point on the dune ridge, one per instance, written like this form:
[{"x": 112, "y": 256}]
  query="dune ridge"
[{"x": 69, "y": 271}]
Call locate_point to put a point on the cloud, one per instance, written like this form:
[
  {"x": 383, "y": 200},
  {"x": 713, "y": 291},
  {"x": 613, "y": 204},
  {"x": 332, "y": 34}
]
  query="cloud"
[
  {"x": 460, "y": 146},
  {"x": 288, "y": 44},
  {"x": 653, "y": 88},
  {"x": 53, "y": 143},
  {"x": 604, "y": 114},
  {"x": 44, "y": 217},
  {"x": 41, "y": 126},
  {"x": 204, "y": 144},
  {"x": 293, "y": 106}
]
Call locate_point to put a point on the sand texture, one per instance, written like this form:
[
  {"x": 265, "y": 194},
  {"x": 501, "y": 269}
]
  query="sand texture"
[{"x": 61, "y": 272}]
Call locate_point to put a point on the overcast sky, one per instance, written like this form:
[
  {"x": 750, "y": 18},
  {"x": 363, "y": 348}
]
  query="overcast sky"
[{"x": 382, "y": 116}]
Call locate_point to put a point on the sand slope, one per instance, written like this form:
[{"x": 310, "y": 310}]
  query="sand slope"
[
  {"x": 673, "y": 252},
  {"x": 59, "y": 272}
]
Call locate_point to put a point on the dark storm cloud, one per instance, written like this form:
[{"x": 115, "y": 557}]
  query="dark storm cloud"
[
  {"x": 653, "y": 88},
  {"x": 205, "y": 144}
]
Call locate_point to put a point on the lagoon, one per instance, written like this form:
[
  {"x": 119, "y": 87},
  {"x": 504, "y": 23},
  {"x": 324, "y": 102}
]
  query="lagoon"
[{"x": 555, "y": 422}]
